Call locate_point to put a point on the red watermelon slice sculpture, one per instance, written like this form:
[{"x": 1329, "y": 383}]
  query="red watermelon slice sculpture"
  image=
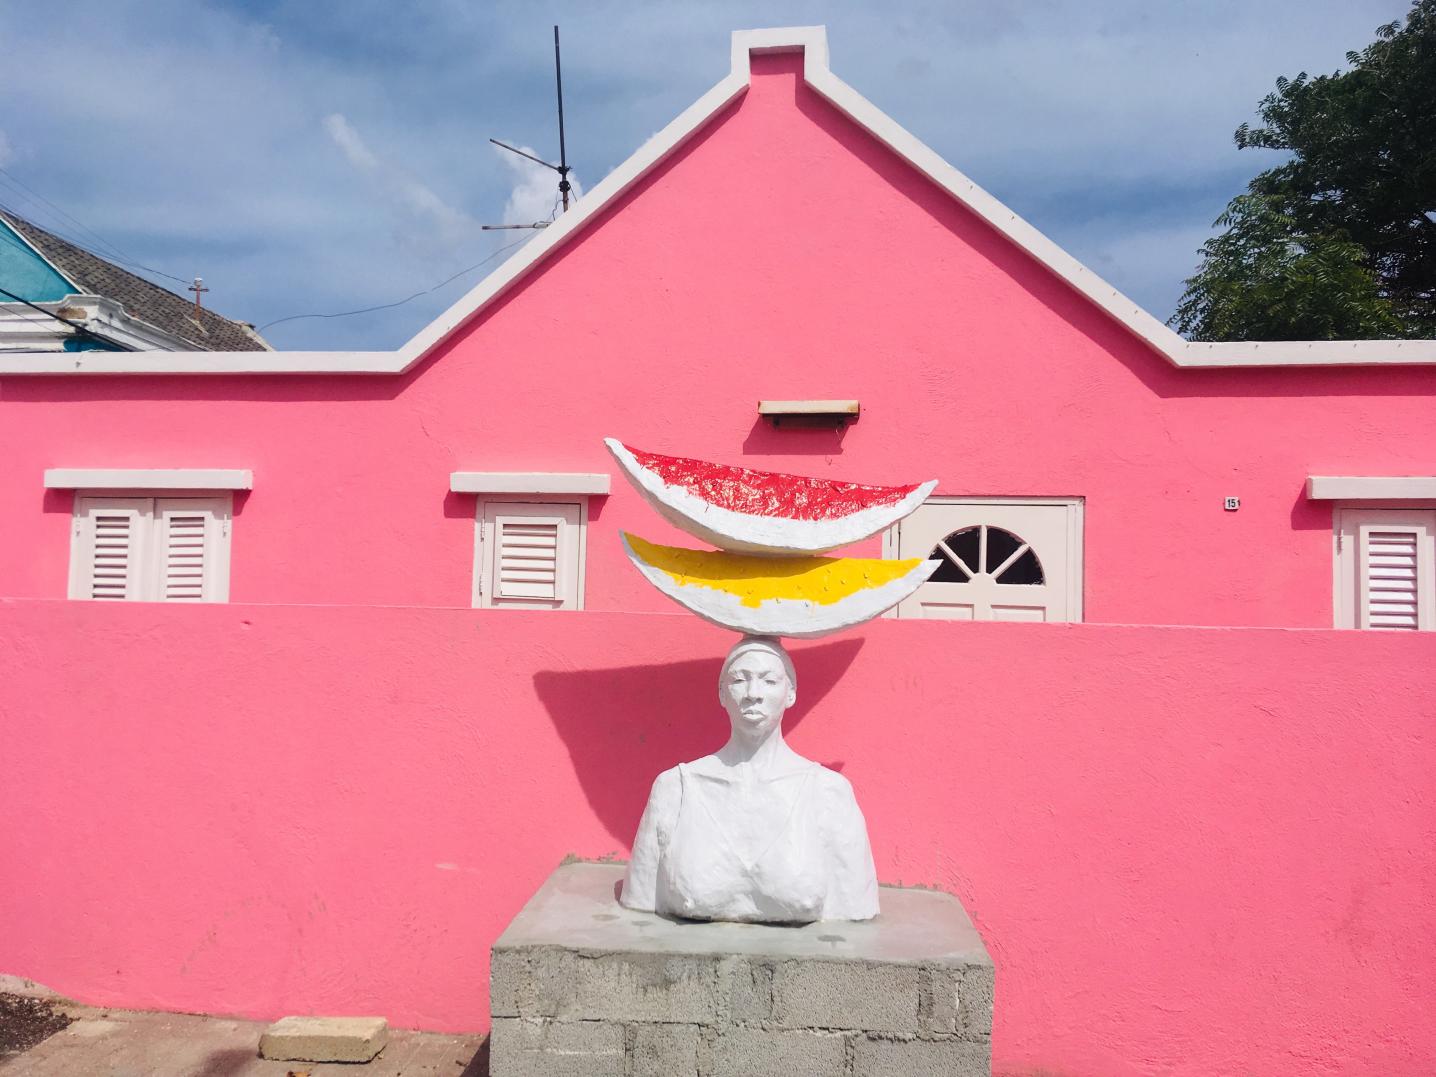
[{"x": 763, "y": 512}]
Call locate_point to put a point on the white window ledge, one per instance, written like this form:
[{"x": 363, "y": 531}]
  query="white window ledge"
[
  {"x": 1370, "y": 487},
  {"x": 843, "y": 408},
  {"x": 527, "y": 482},
  {"x": 143, "y": 478}
]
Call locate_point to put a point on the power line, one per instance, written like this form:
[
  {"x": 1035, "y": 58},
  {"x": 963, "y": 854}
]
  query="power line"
[
  {"x": 35, "y": 321},
  {"x": 29, "y": 194},
  {"x": 401, "y": 302},
  {"x": 28, "y": 320},
  {"x": 8, "y": 239},
  {"x": 6, "y": 236},
  {"x": 36, "y": 195},
  {"x": 114, "y": 252},
  {"x": 76, "y": 326}
]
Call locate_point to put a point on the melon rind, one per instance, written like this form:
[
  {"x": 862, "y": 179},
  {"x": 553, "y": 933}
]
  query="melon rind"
[
  {"x": 764, "y": 536},
  {"x": 794, "y": 618}
]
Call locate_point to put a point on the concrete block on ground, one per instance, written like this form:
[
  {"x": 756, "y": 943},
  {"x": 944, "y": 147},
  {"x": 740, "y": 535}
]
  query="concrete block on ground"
[
  {"x": 324, "y": 1039},
  {"x": 581, "y": 985}
]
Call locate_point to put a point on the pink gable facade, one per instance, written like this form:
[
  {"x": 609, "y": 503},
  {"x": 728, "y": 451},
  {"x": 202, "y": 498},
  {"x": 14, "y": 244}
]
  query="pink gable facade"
[
  {"x": 1150, "y": 776},
  {"x": 782, "y": 253}
]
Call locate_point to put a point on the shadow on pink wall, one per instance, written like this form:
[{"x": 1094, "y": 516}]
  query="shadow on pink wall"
[{"x": 673, "y": 716}]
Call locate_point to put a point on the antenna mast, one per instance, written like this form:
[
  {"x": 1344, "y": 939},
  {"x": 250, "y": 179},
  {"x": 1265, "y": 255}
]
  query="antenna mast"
[{"x": 564, "y": 187}]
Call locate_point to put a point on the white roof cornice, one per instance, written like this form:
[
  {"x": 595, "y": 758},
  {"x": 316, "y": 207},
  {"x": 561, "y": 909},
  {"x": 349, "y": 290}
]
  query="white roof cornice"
[
  {"x": 812, "y": 42},
  {"x": 148, "y": 478},
  {"x": 1370, "y": 487}
]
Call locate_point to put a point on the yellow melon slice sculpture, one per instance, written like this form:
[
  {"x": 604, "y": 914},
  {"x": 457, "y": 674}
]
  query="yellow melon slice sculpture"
[{"x": 799, "y": 597}]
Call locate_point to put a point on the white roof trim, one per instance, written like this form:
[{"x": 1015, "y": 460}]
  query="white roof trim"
[
  {"x": 527, "y": 482},
  {"x": 154, "y": 362},
  {"x": 141, "y": 478},
  {"x": 812, "y": 42},
  {"x": 1370, "y": 487}
]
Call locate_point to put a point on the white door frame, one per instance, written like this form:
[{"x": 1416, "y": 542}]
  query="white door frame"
[{"x": 1076, "y": 507}]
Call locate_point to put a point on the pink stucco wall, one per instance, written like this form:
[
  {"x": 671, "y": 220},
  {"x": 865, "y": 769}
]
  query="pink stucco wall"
[
  {"x": 782, "y": 253},
  {"x": 1190, "y": 851}
]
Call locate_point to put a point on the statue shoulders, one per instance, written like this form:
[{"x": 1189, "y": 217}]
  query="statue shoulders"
[
  {"x": 832, "y": 784},
  {"x": 665, "y": 800},
  {"x": 668, "y": 786},
  {"x": 833, "y": 796},
  {"x": 711, "y": 766}
]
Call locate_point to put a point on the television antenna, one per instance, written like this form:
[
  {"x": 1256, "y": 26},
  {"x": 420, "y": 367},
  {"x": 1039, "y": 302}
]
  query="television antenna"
[{"x": 564, "y": 186}]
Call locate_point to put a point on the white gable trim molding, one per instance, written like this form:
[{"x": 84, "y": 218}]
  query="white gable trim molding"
[
  {"x": 1370, "y": 487},
  {"x": 812, "y": 42},
  {"x": 527, "y": 482},
  {"x": 147, "y": 478}
]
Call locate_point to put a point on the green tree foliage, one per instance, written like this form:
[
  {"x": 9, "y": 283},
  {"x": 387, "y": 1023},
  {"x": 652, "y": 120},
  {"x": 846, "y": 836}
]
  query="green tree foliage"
[{"x": 1339, "y": 241}]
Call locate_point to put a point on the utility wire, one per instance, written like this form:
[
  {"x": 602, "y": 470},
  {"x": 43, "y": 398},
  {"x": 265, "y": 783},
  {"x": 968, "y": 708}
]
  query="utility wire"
[
  {"x": 28, "y": 320},
  {"x": 76, "y": 326},
  {"x": 37, "y": 196},
  {"x": 401, "y": 302},
  {"x": 7, "y": 237},
  {"x": 33, "y": 321},
  {"x": 113, "y": 252}
]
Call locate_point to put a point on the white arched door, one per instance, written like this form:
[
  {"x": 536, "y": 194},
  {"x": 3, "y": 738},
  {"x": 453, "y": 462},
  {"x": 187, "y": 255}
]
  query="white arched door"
[{"x": 1000, "y": 560}]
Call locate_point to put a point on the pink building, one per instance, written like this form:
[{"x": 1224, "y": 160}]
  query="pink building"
[{"x": 1190, "y": 851}]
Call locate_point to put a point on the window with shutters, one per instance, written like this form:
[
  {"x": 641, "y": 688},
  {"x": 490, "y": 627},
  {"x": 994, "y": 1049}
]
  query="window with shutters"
[
  {"x": 530, "y": 554},
  {"x": 1386, "y": 568},
  {"x": 150, "y": 549}
]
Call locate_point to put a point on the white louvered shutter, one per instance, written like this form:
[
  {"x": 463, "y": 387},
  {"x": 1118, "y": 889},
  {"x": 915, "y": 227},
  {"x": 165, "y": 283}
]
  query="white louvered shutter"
[
  {"x": 148, "y": 549},
  {"x": 109, "y": 552},
  {"x": 1396, "y": 589},
  {"x": 190, "y": 539},
  {"x": 530, "y": 555}
]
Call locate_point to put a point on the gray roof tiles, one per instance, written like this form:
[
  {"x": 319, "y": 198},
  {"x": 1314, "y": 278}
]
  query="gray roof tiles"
[{"x": 142, "y": 300}]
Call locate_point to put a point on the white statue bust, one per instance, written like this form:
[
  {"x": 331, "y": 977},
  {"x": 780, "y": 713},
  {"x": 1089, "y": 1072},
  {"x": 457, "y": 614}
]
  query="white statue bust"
[{"x": 753, "y": 832}]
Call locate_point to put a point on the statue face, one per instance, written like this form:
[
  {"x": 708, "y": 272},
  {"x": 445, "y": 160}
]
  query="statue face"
[{"x": 755, "y": 693}]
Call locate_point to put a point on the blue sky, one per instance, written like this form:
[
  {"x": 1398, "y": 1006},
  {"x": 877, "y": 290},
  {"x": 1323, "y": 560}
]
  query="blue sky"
[{"x": 315, "y": 157}]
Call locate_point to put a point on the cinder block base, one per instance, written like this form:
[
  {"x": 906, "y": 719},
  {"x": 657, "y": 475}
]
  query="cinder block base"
[
  {"x": 324, "y": 1039},
  {"x": 582, "y": 986}
]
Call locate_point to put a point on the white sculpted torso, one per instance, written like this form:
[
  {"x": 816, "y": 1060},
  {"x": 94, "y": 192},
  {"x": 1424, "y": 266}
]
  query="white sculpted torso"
[{"x": 718, "y": 842}]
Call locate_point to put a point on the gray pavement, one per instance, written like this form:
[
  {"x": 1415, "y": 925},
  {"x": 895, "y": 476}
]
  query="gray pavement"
[{"x": 125, "y": 1043}]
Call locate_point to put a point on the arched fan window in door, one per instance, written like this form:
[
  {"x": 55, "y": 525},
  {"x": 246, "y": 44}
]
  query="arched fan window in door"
[{"x": 985, "y": 551}]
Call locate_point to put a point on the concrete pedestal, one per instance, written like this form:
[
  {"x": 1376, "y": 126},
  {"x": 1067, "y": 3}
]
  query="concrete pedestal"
[{"x": 582, "y": 986}]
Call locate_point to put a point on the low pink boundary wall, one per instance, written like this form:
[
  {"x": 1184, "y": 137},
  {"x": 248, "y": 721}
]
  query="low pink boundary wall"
[{"x": 1190, "y": 851}]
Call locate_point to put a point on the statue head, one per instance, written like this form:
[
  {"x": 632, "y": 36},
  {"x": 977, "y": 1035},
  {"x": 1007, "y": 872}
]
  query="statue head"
[{"x": 756, "y": 685}]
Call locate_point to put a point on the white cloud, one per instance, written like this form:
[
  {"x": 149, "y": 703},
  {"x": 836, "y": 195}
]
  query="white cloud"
[
  {"x": 281, "y": 157},
  {"x": 348, "y": 140},
  {"x": 445, "y": 227},
  {"x": 7, "y": 152}
]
